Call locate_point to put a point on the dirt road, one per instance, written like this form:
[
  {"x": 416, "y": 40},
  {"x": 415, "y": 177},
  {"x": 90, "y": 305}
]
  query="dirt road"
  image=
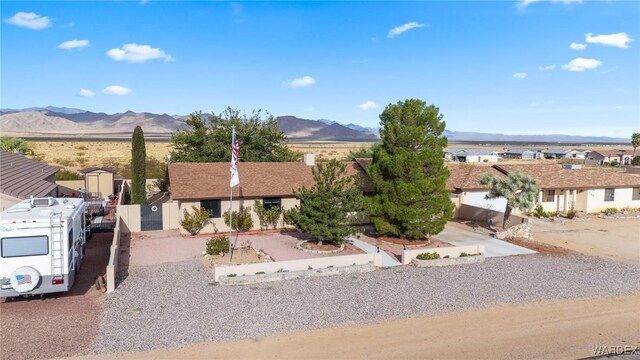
[{"x": 559, "y": 329}]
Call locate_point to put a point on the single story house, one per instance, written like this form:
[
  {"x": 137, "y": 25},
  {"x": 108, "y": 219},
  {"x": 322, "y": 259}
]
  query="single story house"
[
  {"x": 562, "y": 188},
  {"x": 557, "y": 153},
  {"x": 22, "y": 178},
  {"x": 470, "y": 155},
  {"x": 206, "y": 185},
  {"x": 522, "y": 154},
  {"x": 622, "y": 157}
]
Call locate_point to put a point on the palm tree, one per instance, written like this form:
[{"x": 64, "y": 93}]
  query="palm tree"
[
  {"x": 521, "y": 192},
  {"x": 635, "y": 142}
]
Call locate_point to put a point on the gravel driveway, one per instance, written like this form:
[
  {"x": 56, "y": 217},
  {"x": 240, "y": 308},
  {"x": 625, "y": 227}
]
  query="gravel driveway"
[{"x": 178, "y": 303}]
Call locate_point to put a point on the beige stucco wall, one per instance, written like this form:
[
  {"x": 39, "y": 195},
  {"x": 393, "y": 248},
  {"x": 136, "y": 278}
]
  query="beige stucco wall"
[
  {"x": 588, "y": 200},
  {"x": 170, "y": 216},
  {"x": 219, "y": 223},
  {"x": 7, "y": 201},
  {"x": 70, "y": 187},
  {"x": 622, "y": 198},
  {"x": 129, "y": 218}
]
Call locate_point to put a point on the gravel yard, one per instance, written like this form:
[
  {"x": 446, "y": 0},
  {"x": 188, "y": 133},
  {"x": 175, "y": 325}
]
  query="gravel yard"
[{"x": 177, "y": 303}]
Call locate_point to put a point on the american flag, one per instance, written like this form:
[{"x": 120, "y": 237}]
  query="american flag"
[{"x": 235, "y": 158}]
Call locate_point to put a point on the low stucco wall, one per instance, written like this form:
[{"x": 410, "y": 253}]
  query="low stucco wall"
[
  {"x": 7, "y": 201},
  {"x": 112, "y": 266},
  {"x": 448, "y": 261},
  {"x": 70, "y": 187},
  {"x": 485, "y": 216},
  {"x": 130, "y": 218},
  {"x": 297, "y": 265},
  {"x": 453, "y": 251},
  {"x": 170, "y": 216}
]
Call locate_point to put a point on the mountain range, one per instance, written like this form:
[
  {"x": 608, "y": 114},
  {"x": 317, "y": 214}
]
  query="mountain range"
[{"x": 61, "y": 122}]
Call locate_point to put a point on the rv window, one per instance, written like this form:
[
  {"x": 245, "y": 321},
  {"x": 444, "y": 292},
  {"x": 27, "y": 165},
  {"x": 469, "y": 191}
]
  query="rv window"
[{"x": 25, "y": 246}]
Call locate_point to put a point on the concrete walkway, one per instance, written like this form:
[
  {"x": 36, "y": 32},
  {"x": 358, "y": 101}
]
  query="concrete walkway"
[
  {"x": 387, "y": 260},
  {"x": 460, "y": 235}
]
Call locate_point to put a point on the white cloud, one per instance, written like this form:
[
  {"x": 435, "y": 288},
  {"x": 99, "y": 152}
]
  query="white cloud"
[
  {"x": 31, "y": 21},
  {"x": 520, "y": 75},
  {"x": 620, "y": 40},
  {"x": 301, "y": 82},
  {"x": 577, "y": 46},
  {"x": 524, "y": 3},
  {"x": 86, "y": 93},
  {"x": 73, "y": 44},
  {"x": 402, "y": 28},
  {"x": 582, "y": 64},
  {"x": 135, "y": 53},
  {"x": 116, "y": 90},
  {"x": 547, "y": 67},
  {"x": 368, "y": 105}
]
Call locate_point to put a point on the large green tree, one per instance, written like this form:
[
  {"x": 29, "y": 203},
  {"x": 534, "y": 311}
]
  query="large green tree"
[
  {"x": 408, "y": 172},
  {"x": 635, "y": 142},
  {"x": 138, "y": 167},
  {"x": 328, "y": 208},
  {"x": 208, "y": 138},
  {"x": 521, "y": 192}
]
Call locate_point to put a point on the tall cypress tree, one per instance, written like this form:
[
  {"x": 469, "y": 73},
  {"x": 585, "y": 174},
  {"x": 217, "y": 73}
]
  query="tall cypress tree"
[
  {"x": 138, "y": 167},
  {"x": 408, "y": 172}
]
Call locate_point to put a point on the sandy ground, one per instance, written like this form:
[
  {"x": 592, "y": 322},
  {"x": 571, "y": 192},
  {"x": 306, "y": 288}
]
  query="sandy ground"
[
  {"x": 615, "y": 239},
  {"x": 558, "y": 329}
]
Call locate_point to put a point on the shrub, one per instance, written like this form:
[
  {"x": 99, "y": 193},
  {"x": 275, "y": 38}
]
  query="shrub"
[
  {"x": 540, "y": 213},
  {"x": 218, "y": 245},
  {"x": 610, "y": 211},
  {"x": 572, "y": 214},
  {"x": 428, "y": 256},
  {"x": 636, "y": 160},
  {"x": 64, "y": 162},
  {"x": 194, "y": 222},
  {"x": 242, "y": 220},
  {"x": 65, "y": 174},
  {"x": 269, "y": 217},
  {"x": 82, "y": 147},
  {"x": 464, "y": 254},
  {"x": 614, "y": 163}
]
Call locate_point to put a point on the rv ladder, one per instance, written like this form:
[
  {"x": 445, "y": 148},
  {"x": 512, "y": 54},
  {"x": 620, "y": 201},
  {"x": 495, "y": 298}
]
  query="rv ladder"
[{"x": 57, "y": 245}]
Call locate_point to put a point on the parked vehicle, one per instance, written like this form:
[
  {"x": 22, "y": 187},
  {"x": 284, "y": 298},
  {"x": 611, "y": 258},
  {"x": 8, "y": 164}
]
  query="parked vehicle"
[{"x": 42, "y": 242}]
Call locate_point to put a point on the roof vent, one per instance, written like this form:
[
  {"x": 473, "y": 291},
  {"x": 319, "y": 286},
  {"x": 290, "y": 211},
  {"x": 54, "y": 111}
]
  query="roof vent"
[
  {"x": 42, "y": 202},
  {"x": 571, "y": 167}
]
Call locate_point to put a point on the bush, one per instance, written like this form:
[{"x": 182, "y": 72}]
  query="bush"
[
  {"x": 194, "y": 222},
  {"x": 540, "y": 213},
  {"x": 242, "y": 220},
  {"x": 636, "y": 161},
  {"x": 64, "y": 174},
  {"x": 218, "y": 245},
  {"x": 614, "y": 163},
  {"x": 269, "y": 217},
  {"x": 572, "y": 214},
  {"x": 428, "y": 256},
  {"x": 610, "y": 211}
]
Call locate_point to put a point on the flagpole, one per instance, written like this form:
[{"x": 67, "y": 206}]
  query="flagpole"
[{"x": 233, "y": 138}]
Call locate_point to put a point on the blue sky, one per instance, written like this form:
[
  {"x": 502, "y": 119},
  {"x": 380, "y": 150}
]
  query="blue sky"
[{"x": 532, "y": 67}]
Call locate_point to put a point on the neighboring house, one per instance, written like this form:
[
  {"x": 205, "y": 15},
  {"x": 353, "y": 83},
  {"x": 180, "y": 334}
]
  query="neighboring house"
[
  {"x": 522, "y": 154},
  {"x": 557, "y": 153},
  {"x": 579, "y": 154},
  {"x": 622, "y": 157},
  {"x": 562, "y": 188},
  {"x": 22, "y": 178},
  {"x": 206, "y": 185},
  {"x": 470, "y": 155}
]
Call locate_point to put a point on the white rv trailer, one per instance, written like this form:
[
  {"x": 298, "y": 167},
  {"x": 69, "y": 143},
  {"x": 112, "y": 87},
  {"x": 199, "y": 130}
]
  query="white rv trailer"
[{"x": 41, "y": 246}]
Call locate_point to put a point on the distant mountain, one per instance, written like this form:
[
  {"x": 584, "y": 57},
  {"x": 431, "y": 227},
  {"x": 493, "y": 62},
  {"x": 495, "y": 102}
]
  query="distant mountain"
[
  {"x": 297, "y": 128},
  {"x": 62, "y": 121},
  {"x": 555, "y": 138}
]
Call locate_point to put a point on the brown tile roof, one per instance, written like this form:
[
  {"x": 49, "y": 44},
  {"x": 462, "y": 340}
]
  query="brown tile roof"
[
  {"x": 467, "y": 177},
  {"x": 257, "y": 179},
  {"x": 22, "y": 177},
  {"x": 553, "y": 176},
  {"x": 612, "y": 153}
]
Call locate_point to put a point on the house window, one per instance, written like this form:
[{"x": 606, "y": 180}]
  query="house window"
[
  {"x": 609, "y": 194},
  {"x": 550, "y": 196},
  {"x": 636, "y": 194},
  {"x": 213, "y": 206},
  {"x": 268, "y": 203}
]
